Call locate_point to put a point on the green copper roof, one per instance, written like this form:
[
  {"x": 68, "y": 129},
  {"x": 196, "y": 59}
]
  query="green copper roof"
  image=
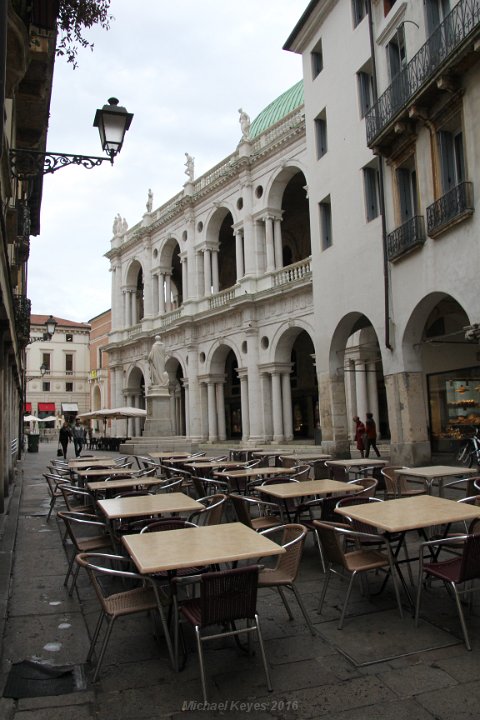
[{"x": 277, "y": 109}]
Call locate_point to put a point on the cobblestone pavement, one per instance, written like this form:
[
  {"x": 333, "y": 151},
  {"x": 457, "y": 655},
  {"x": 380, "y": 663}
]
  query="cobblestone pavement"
[{"x": 378, "y": 667}]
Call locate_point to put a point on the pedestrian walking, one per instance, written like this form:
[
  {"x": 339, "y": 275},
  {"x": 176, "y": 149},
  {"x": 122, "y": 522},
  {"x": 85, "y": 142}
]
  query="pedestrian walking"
[
  {"x": 359, "y": 435},
  {"x": 78, "y": 437},
  {"x": 371, "y": 435},
  {"x": 64, "y": 437}
]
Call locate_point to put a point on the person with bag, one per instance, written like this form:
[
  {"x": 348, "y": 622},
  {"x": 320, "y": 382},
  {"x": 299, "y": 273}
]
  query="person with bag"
[
  {"x": 64, "y": 437},
  {"x": 359, "y": 435}
]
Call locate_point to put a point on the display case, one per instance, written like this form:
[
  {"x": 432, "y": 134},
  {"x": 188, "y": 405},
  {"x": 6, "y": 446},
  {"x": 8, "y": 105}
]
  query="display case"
[{"x": 454, "y": 400}]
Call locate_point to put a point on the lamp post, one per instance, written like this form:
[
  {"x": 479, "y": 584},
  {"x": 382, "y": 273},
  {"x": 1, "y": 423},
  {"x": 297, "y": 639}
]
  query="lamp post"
[
  {"x": 112, "y": 121},
  {"x": 50, "y": 324}
]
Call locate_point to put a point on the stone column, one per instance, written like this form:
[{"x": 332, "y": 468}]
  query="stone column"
[
  {"x": 173, "y": 414},
  {"x": 133, "y": 304},
  {"x": 372, "y": 391},
  {"x": 277, "y": 412},
  {"x": 269, "y": 243},
  {"x": 361, "y": 386},
  {"x": 351, "y": 394},
  {"x": 168, "y": 292},
  {"x": 215, "y": 280},
  {"x": 287, "y": 406},
  {"x": 212, "y": 413},
  {"x": 161, "y": 294},
  {"x": 184, "y": 263},
  {"x": 267, "y": 406},
  {"x": 239, "y": 255},
  {"x": 277, "y": 236},
  {"x": 245, "y": 408},
  {"x": 207, "y": 272},
  {"x": 126, "y": 309},
  {"x": 408, "y": 419},
  {"x": 220, "y": 398}
]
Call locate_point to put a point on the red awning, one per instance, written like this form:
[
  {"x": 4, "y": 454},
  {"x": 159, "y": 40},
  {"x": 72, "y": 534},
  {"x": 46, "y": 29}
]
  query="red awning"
[
  {"x": 47, "y": 407},
  {"x": 27, "y": 407}
]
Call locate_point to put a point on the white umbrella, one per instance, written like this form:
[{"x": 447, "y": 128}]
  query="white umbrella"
[
  {"x": 50, "y": 418},
  {"x": 113, "y": 413},
  {"x": 30, "y": 418}
]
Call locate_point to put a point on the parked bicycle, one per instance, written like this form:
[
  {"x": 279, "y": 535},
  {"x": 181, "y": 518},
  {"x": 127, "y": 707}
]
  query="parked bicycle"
[{"x": 468, "y": 453}]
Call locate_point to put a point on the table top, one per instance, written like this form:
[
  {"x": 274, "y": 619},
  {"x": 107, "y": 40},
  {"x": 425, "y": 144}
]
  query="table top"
[
  {"x": 170, "y": 455},
  {"x": 307, "y": 457},
  {"x": 210, "y": 464},
  {"x": 286, "y": 491},
  {"x": 358, "y": 462},
  {"x": 411, "y": 513},
  {"x": 148, "y": 505},
  {"x": 435, "y": 471},
  {"x": 105, "y": 472},
  {"x": 123, "y": 483},
  {"x": 196, "y": 547},
  {"x": 81, "y": 463},
  {"x": 267, "y": 453},
  {"x": 252, "y": 472}
]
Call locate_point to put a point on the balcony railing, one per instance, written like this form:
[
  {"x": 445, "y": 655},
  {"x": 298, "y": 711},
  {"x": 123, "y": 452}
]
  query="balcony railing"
[
  {"x": 457, "y": 27},
  {"x": 452, "y": 207},
  {"x": 293, "y": 273},
  {"x": 222, "y": 298},
  {"x": 405, "y": 238},
  {"x": 22, "y": 307}
]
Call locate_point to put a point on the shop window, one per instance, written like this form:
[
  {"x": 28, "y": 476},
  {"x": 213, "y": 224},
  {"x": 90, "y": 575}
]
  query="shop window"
[{"x": 454, "y": 399}]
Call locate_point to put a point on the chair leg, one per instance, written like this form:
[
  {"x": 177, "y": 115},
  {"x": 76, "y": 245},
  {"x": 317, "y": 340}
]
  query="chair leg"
[
  {"x": 201, "y": 663},
  {"x": 347, "y": 598},
  {"x": 303, "y": 609},
  {"x": 461, "y": 615},
  {"x": 95, "y": 636},
  {"x": 104, "y": 647},
  {"x": 262, "y": 650},
  {"x": 324, "y": 589},
  {"x": 285, "y": 603},
  {"x": 320, "y": 549},
  {"x": 52, "y": 503}
]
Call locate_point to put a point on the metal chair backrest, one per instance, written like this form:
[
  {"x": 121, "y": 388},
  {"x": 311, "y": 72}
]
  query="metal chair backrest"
[
  {"x": 336, "y": 472},
  {"x": 167, "y": 524},
  {"x": 213, "y": 511},
  {"x": 470, "y": 565},
  {"x": 292, "y": 540},
  {"x": 228, "y": 595},
  {"x": 242, "y": 509},
  {"x": 78, "y": 522},
  {"x": 173, "y": 484},
  {"x": 369, "y": 485}
]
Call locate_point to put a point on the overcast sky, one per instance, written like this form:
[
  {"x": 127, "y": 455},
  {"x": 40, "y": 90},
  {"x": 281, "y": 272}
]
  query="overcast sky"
[{"x": 183, "y": 69}]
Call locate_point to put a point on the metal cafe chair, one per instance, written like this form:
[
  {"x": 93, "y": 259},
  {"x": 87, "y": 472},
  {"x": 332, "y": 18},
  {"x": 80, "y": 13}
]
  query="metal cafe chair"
[
  {"x": 225, "y": 597},
  {"x": 458, "y": 573},
  {"x": 145, "y": 596}
]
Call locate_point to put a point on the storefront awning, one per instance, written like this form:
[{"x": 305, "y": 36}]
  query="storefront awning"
[
  {"x": 69, "y": 407},
  {"x": 46, "y": 407},
  {"x": 27, "y": 407}
]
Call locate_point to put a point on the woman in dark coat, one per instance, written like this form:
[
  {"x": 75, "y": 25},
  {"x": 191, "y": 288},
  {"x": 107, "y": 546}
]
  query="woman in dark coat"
[
  {"x": 359, "y": 435},
  {"x": 64, "y": 437}
]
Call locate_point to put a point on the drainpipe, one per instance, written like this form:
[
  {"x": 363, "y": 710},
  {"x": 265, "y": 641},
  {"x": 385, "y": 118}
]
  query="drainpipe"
[{"x": 386, "y": 276}]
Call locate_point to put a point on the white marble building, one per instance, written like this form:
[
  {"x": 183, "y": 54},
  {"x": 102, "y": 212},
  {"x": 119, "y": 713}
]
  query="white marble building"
[{"x": 223, "y": 273}]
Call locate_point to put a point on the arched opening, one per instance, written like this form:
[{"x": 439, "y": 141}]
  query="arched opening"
[
  {"x": 296, "y": 242},
  {"x": 233, "y": 404},
  {"x": 226, "y": 260},
  {"x": 304, "y": 388}
]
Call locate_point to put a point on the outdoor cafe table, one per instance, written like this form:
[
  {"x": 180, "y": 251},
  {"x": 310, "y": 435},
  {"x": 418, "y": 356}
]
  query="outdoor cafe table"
[
  {"x": 413, "y": 513},
  {"x": 170, "y": 455},
  {"x": 315, "y": 460},
  {"x": 103, "y": 486},
  {"x": 146, "y": 505},
  {"x": 205, "y": 466},
  {"x": 246, "y": 473},
  {"x": 171, "y": 550},
  {"x": 292, "y": 490},
  {"x": 82, "y": 463},
  {"x": 356, "y": 465},
  {"x": 431, "y": 473},
  {"x": 103, "y": 472}
]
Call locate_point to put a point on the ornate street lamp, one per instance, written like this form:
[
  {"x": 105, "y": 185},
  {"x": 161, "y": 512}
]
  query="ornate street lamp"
[
  {"x": 50, "y": 325},
  {"x": 112, "y": 122}
]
